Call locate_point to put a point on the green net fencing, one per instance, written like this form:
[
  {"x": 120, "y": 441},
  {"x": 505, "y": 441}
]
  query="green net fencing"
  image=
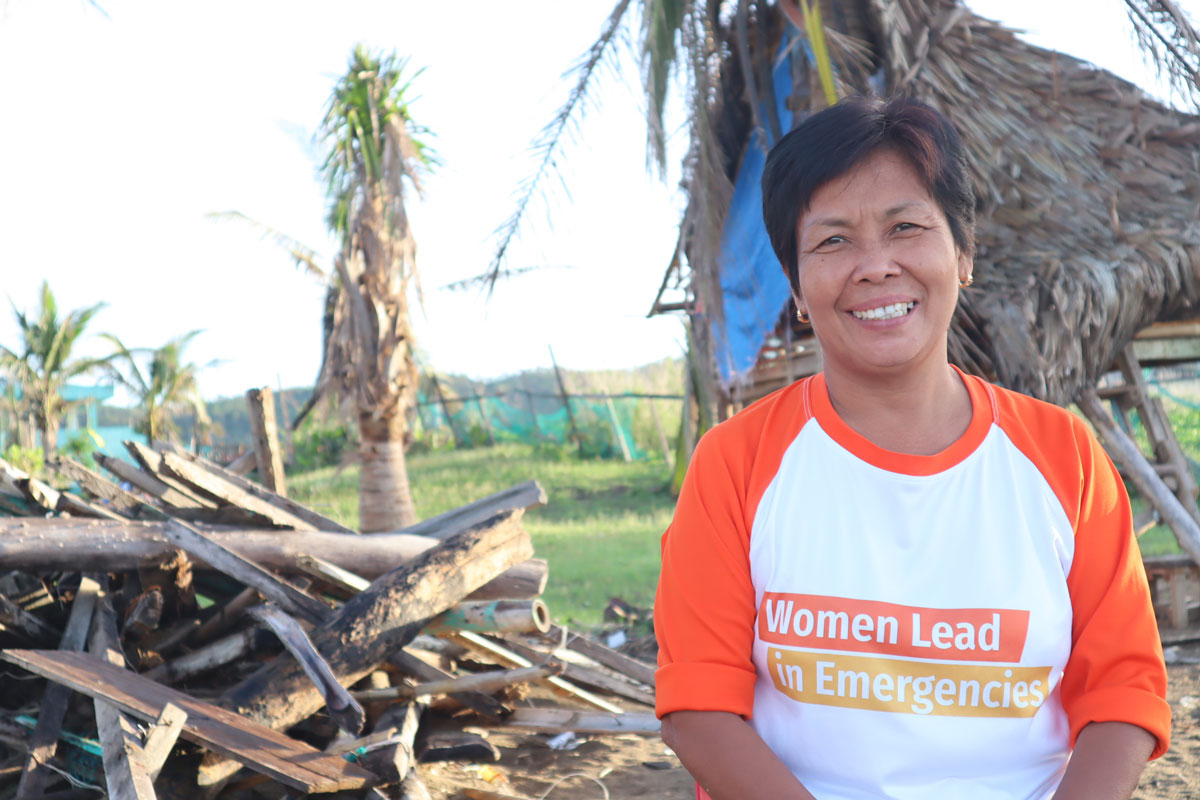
[{"x": 628, "y": 426}]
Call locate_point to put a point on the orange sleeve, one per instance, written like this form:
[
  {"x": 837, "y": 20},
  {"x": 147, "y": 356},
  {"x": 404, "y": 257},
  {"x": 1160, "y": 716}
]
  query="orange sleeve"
[
  {"x": 1115, "y": 672},
  {"x": 704, "y": 609}
]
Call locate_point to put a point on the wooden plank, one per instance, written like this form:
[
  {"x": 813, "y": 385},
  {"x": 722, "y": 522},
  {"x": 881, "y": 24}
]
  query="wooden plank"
[
  {"x": 220, "y": 557},
  {"x": 638, "y": 670},
  {"x": 161, "y": 737},
  {"x": 148, "y": 483},
  {"x": 288, "y": 761},
  {"x": 525, "y": 495},
  {"x": 102, "y": 488},
  {"x": 53, "y": 709},
  {"x": 588, "y": 676},
  {"x": 152, "y": 463},
  {"x": 317, "y": 521},
  {"x": 559, "y": 720},
  {"x": 490, "y": 681},
  {"x": 1167, "y": 351},
  {"x": 194, "y": 475},
  {"x": 481, "y": 703},
  {"x": 243, "y": 464},
  {"x": 125, "y": 773},
  {"x": 503, "y": 654},
  {"x": 266, "y": 442},
  {"x": 18, "y": 620}
]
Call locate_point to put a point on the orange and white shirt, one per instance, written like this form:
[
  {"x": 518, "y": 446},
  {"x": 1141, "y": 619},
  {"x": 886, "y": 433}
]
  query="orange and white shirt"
[{"x": 909, "y": 626}]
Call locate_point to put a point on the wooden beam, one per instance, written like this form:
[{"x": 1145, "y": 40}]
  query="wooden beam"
[
  {"x": 161, "y": 737},
  {"x": 244, "y": 463},
  {"x": 483, "y": 704},
  {"x": 1124, "y": 451},
  {"x": 316, "y": 521},
  {"x": 191, "y": 474},
  {"x": 250, "y": 574},
  {"x": 288, "y": 761},
  {"x": 148, "y": 483},
  {"x": 265, "y": 436},
  {"x": 638, "y": 670},
  {"x": 490, "y": 681},
  {"x": 358, "y": 637},
  {"x": 529, "y": 494},
  {"x": 588, "y": 676},
  {"x": 151, "y": 462},
  {"x": 560, "y": 720},
  {"x": 342, "y": 708},
  {"x": 53, "y": 709},
  {"x": 125, "y": 773},
  {"x": 503, "y": 654},
  {"x": 34, "y": 544},
  {"x": 102, "y": 488}
]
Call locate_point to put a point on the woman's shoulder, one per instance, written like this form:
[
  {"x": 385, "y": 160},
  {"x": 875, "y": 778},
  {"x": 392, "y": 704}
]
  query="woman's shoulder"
[
  {"x": 771, "y": 420},
  {"x": 1043, "y": 431}
]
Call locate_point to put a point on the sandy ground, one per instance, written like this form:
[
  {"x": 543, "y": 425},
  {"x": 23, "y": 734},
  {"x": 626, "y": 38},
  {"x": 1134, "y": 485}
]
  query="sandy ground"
[{"x": 641, "y": 767}]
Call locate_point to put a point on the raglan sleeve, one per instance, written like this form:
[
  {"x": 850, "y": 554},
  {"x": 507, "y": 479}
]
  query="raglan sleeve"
[
  {"x": 1115, "y": 672},
  {"x": 704, "y": 608}
]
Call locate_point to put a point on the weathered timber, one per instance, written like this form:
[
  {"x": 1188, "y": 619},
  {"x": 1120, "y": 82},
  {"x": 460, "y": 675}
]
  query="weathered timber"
[
  {"x": 498, "y": 651},
  {"x": 358, "y": 637},
  {"x": 341, "y": 706},
  {"x": 103, "y": 489},
  {"x": 161, "y": 737},
  {"x": 148, "y": 483},
  {"x": 243, "y": 464},
  {"x": 560, "y": 720},
  {"x": 342, "y": 580},
  {"x": 287, "y": 595},
  {"x": 151, "y": 462},
  {"x": 226, "y": 615},
  {"x": 77, "y": 506},
  {"x": 1124, "y": 451},
  {"x": 490, "y": 681},
  {"x": 456, "y": 746},
  {"x": 638, "y": 670},
  {"x": 210, "y": 656},
  {"x": 125, "y": 773},
  {"x": 16, "y": 619},
  {"x": 480, "y": 703},
  {"x": 266, "y": 441},
  {"x": 288, "y": 761},
  {"x": 392, "y": 762},
  {"x": 525, "y": 495},
  {"x": 315, "y": 521},
  {"x": 213, "y": 485},
  {"x": 53, "y": 709},
  {"x": 36, "y": 544},
  {"x": 588, "y": 676}
]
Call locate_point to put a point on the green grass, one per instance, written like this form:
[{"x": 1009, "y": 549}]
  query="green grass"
[{"x": 600, "y": 530}]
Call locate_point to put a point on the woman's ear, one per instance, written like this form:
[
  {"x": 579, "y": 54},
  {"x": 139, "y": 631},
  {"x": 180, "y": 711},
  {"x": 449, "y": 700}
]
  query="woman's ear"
[
  {"x": 798, "y": 299},
  {"x": 966, "y": 266}
]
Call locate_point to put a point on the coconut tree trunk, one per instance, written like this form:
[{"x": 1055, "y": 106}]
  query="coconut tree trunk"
[{"x": 384, "y": 498}]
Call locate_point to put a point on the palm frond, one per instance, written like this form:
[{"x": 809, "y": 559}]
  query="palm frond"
[
  {"x": 304, "y": 256},
  {"x": 554, "y": 136},
  {"x": 661, "y": 23},
  {"x": 1170, "y": 40}
]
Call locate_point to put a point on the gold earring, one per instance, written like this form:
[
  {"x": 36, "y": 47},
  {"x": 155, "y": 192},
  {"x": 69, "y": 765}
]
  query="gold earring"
[
  {"x": 801, "y": 316},
  {"x": 964, "y": 284}
]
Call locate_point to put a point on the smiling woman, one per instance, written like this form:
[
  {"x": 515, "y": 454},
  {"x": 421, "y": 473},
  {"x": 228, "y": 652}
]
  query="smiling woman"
[{"x": 893, "y": 579}]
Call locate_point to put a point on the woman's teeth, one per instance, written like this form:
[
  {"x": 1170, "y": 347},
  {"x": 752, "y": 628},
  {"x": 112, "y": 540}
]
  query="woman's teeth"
[{"x": 885, "y": 312}]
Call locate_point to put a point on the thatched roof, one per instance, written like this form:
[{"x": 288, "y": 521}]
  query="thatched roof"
[{"x": 1089, "y": 190}]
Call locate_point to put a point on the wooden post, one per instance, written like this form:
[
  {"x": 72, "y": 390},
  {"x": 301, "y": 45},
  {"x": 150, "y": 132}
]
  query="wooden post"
[
  {"x": 662, "y": 436},
  {"x": 1125, "y": 452},
  {"x": 487, "y": 423},
  {"x": 437, "y": 387},
  {"x": 562, "y": 389},
  {"x": 612, "y": 415},
  {"x": 266, "y": 444},
  {"x": 537, "y": 431}
]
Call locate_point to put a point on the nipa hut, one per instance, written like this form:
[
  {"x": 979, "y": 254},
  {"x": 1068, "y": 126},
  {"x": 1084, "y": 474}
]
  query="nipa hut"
[{"x": 1089, "y": 197}]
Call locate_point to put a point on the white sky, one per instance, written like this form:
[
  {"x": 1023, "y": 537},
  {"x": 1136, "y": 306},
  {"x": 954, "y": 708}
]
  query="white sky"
[{"x": 118, "y": 135}]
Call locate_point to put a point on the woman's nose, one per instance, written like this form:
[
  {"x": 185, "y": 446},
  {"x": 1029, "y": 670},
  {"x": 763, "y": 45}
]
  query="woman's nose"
[{"x": 875, "y": 262}]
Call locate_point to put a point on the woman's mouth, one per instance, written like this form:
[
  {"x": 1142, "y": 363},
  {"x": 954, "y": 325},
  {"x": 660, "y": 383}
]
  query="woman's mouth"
[{"x": 885, "y": 312}]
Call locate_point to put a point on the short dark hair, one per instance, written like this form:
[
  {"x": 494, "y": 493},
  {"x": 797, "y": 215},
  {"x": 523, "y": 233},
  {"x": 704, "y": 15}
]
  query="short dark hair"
[{"x": 832, "y": 141}]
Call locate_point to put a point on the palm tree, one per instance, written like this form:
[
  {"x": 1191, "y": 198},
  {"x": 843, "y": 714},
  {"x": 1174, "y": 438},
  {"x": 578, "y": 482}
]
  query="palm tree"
[
  {"x": 44, "y": 364},
  {"x": 165, "y": 386},
  {"x": 374, "y": 154}
]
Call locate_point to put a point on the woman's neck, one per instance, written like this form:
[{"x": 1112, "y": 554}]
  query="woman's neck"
[{"x": 904, "y": 414}]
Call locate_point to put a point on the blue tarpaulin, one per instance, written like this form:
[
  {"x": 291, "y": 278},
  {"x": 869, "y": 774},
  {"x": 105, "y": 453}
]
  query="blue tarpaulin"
[{"x": 753, "y": 285}]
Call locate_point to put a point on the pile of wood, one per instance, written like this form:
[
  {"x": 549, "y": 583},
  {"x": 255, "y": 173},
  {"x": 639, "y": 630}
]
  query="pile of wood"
[{"x": 224, "y": 640}]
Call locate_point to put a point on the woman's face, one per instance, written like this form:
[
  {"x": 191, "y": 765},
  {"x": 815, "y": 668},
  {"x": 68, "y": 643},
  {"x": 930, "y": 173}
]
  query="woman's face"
[{"x": 878, "y": 270}]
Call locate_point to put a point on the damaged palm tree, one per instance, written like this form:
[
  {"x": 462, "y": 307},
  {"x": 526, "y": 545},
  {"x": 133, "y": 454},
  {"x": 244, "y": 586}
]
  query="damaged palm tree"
[{"x": 374, "y": 155}]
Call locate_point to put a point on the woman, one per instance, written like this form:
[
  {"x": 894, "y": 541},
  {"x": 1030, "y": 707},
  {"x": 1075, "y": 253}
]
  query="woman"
[{"x": 892, "y": 579}]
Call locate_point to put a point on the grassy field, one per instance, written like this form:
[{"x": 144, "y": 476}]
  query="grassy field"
[{"x": 600, "y": 530}]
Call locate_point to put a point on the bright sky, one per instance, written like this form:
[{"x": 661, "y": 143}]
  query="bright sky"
[{"x": 120, "y": 134}]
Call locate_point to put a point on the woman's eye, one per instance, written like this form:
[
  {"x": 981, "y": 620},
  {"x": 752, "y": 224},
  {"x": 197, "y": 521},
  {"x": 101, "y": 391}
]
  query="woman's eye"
[
  {"x": 906, "y": 226},
  {"x": 832, "y": 240}
]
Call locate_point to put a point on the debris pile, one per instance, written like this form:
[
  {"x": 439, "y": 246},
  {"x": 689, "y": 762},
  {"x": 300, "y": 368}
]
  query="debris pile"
[{"x": 204, "y": 636}]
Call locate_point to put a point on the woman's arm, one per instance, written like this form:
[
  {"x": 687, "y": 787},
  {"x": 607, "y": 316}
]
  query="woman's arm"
[
  {"x": 1106, "y": 763},
  {"x": 728, "y": 758}
]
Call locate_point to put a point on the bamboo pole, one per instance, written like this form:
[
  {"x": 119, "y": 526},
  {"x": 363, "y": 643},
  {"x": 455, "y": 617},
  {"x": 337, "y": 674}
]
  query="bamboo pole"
[{"x": 573, "y": 429}]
